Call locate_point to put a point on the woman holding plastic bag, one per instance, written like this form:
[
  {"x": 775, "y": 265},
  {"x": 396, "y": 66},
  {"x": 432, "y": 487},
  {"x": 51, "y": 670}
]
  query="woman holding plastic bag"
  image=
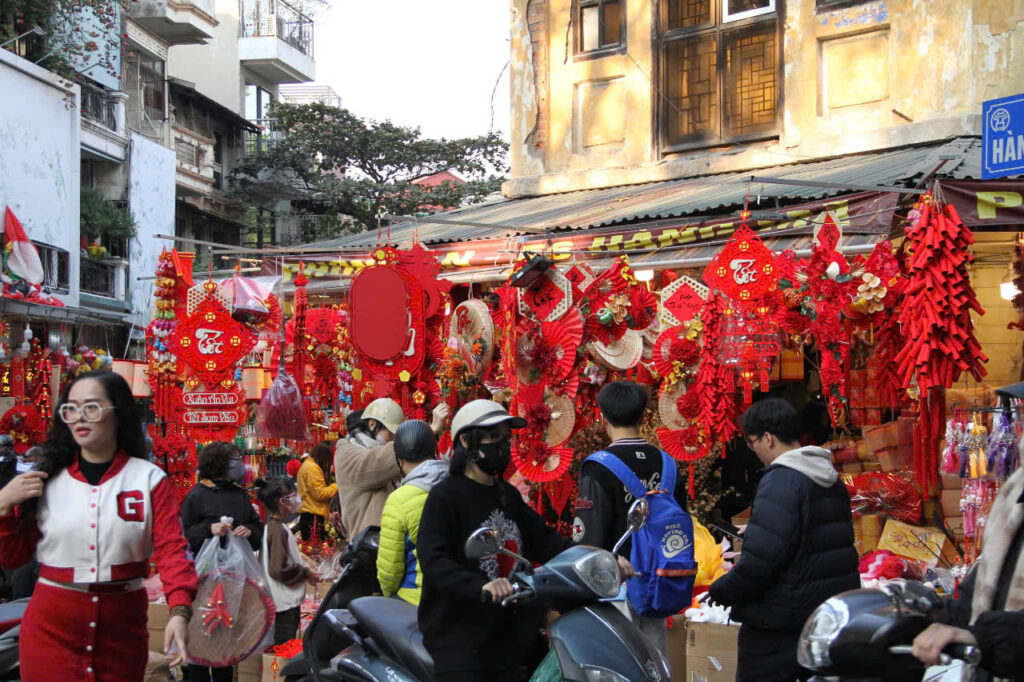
[
  {"x": 95, "y": 512},
  {"x": 217, "y": 507}
]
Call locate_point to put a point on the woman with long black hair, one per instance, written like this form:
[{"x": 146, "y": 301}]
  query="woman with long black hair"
[{"x": 95, "y": 512}]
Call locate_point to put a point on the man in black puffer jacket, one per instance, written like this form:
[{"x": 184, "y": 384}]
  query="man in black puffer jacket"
[{"x": 797, "y": 549}]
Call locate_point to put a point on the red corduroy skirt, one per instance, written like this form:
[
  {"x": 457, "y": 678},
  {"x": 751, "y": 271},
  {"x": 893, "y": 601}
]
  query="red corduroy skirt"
[{"x": 92, "y": 637}]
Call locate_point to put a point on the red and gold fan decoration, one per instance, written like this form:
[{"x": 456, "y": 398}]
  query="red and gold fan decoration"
[
  {"x": 547, "y": 350},
  {"x": 606, "y": 302},
  {"x": 676, "y": 352},
  {"x": 549, "y": 423},
  {"x": 621, "y": 354},
  {"x": 681, "y": 301}
]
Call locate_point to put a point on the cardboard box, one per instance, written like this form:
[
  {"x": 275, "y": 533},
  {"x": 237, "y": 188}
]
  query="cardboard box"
[
  {"x": 867, "y": 530},
  {"x": 882, "y": 437},
  {"x": 955, "y": 524},
  {"x": 677, "y": 650},
  {"x": 851, "y": 467},
  {"x": 951, "y": 503},
  {"x": 871, "y": 466},
  {"x": 711, "y": 651},
  {"x": 250, "y": 670},
  {"x": 899, "y": 458},
  {"x": 272, "y": 668},
  {"x": 156, "y": 622},
  {"x": 952, "y": 482}
]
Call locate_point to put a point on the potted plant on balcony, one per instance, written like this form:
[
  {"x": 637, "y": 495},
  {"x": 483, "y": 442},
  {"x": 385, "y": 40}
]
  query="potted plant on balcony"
[{"x": 102, "y": 220}]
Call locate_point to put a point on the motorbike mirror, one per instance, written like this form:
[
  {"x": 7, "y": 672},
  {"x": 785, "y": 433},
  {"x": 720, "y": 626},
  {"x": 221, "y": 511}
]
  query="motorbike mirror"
[
  {"x": 483, "y": 542},
  {"x": 636, "y": 517}
]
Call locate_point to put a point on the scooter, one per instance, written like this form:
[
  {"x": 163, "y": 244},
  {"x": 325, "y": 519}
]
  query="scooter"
[
  {"x": 358, "y": 578},
  {"x": 592, "y": 639},
  {"x": 11, "y": 614},
  {"x": 867, "y": 635}
]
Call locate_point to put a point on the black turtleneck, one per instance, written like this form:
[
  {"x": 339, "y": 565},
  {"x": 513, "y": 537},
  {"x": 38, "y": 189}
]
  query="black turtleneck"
[{"x": 93, "y": 472}]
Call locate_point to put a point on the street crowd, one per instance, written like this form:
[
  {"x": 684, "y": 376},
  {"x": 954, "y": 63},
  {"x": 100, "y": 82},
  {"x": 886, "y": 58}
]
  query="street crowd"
[{"x": 95, "y": 512}]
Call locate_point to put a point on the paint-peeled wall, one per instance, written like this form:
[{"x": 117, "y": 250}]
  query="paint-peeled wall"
[
  {"x": 151, "y": 199},
  {"x": 40, "y": 158}
]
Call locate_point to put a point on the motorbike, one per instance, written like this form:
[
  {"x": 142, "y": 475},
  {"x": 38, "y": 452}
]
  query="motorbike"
[
  {"x": 866, "y": 635},
  {"x": 11, "y": 614},
  {"x": 593, "y": 639},
  {"x": 358, "y": 578}
]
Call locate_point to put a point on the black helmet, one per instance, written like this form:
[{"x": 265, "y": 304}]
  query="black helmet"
[{"x": 414, "y": 441}]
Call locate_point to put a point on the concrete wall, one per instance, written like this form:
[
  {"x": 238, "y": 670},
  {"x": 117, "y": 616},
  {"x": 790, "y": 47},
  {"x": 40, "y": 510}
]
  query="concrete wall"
[
  {"x": 151, "y": 189},
  {"x": 879, "y": 74},
  {"x": 39, "y": 157},
  {"x": 214, "y": 67},
  {"x": 1001, "y": 345}
]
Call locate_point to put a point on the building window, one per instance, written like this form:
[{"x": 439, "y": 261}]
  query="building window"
[
  {"x": 55, "y": 266},
  {"x": 720, "y": 69},
  {"x": 600, "y": 26},
  {"x": 836, "y": 4}
]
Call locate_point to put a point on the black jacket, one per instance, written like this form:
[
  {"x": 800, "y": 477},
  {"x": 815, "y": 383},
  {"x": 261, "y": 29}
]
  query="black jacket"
[
  {"x": 600, "y": 510},
  {"x": 797, "y": 552},
  {"x": 1000, "y": 633},
  {"x": 207, "y": 502},
  {"x": 461, "y": 633}
]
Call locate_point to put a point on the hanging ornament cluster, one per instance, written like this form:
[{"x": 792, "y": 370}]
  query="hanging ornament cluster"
[
  {"x": 397, "y": 309},
  {"x": 936, "y": 322},
  {"x": 163, "y": 365}
]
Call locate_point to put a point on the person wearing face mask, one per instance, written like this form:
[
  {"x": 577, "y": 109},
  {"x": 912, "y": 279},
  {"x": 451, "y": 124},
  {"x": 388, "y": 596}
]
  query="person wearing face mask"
[
  {"x": 467, "y": 638},
  {"x": 364, "y": 463},
  {"x": 287, "y": 572},
  {"x": 219, "y": 495}
]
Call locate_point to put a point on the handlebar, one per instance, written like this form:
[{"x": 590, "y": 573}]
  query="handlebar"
[
  {"x": 521, "y": 591},
  {"x": 968, "y": 653}
]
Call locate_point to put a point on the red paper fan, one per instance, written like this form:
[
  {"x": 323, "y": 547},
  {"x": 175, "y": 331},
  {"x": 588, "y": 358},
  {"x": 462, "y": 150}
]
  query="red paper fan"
[
  {"x": 542, "y": 463},
  {"x": 643, "y": 308},
  {"x": 672, "y": 346},
  {"x": 682, "y": 445},
  {"x": 563, "y": 339}
]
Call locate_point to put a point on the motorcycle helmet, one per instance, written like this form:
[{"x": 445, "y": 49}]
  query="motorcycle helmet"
[
  {"x": 415, "y": 442},
  {"x": 386, "y": 411}
]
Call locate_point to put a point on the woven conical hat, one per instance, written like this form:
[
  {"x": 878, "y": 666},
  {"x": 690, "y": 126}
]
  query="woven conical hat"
[{"x": 622, "y": 354}]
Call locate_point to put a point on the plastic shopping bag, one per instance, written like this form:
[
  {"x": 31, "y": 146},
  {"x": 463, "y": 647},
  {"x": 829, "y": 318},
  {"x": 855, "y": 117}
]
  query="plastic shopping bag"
[
  {"x": 233, "y": 611},
  {"x": 281, "y": 413}
]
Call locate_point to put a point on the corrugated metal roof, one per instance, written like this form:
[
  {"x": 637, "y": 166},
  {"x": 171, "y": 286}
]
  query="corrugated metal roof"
[{"x": 675, "y": 198}]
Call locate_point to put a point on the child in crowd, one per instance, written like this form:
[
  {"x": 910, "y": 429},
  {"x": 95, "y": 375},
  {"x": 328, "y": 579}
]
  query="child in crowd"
[{"x": 286, "y": 570}]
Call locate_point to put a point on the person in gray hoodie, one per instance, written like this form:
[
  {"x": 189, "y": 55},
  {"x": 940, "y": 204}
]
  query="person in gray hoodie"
[
  {"x": 398, "y": 568},
  {"x": 797, "y": 548}
]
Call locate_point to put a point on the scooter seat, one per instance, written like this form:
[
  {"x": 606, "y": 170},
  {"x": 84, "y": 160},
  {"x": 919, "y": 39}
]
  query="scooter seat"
[{"x": 391, "y": 623}]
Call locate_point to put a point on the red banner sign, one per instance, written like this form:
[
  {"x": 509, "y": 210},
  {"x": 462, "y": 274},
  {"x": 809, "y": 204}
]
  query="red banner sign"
[
  {"x": 204, "y": 399},
  {"x": 990, "y": 203},
  {"x": 212, "y": 417},
  {"x": 868, "y": 212}
]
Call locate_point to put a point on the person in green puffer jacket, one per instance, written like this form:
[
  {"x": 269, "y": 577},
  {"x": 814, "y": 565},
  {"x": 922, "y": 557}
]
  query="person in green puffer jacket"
[{"x": 398, "y": 568}]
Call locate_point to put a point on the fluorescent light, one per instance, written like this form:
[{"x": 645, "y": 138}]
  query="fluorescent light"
[
  {"x": 643, "y": 275},
  {"x": 1007, "y": 287}
]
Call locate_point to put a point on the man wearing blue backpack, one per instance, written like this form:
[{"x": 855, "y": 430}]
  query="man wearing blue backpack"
[{"x": 661, "y": 554}]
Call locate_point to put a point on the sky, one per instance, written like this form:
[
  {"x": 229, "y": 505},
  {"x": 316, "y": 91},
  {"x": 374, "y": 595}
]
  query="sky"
[{"x": 427, "y": 64}]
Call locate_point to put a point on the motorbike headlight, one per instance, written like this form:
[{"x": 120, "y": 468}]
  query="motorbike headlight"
[
  {"x": 600, "y": 572},
  {"x": 819, "y": 631},
  {"x": 594, "y": 674}
]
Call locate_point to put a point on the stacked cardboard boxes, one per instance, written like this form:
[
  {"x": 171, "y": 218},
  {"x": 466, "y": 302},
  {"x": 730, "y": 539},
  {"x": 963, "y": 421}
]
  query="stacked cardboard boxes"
[{"x": 711, "y": 652}]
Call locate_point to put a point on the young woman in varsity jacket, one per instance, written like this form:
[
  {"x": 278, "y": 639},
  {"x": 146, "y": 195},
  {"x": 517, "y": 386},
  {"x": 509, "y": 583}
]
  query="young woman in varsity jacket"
[{"x": 95, "y": 513}]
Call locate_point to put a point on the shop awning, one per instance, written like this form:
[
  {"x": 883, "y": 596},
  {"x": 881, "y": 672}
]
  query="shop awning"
[{"x": 707, "y": 196}]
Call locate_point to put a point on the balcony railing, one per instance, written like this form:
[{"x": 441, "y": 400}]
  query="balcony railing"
[
  {"x": 262, "y": 18},
  {"x": 267, "y": 137},
  {"x": 99, "y": 278},
  {"x": 99, "y": 106}
]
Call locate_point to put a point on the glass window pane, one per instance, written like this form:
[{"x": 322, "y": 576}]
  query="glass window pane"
[
  {"x": 691, "y": 109},
  {"x": 612, "y": 34},
  {"x": 688, "y": 13},
  {"x": 251, "y": 105},
  {"x": 750, "y": 80},
  {"x": 590, "y": 34},
  {"x": 734, "y": 9}
]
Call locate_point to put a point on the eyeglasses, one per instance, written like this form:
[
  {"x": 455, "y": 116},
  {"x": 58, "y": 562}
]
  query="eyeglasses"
[
  {"x": 91, "y": 412},
  {"x": 752, "y": 439}
]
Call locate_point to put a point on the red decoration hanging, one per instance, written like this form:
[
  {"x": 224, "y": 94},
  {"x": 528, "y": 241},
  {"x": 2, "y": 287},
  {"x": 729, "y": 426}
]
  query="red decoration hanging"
[
  {"x": 936, "y": 321},
  {"x": 715, "y": 384},
  {"x": 744, "y": 269},
  {"x": 210, "y": 341}
]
